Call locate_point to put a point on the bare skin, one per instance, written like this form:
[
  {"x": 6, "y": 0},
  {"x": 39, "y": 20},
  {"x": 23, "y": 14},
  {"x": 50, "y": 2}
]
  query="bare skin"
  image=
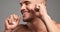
[
  {"x": 11, "y": 22},
  {"x": 30, "y": 27},
  {"x": 35, "y": 14},
  {"x": 51, "y": 25},
  {"x": 35, "y": 25}
]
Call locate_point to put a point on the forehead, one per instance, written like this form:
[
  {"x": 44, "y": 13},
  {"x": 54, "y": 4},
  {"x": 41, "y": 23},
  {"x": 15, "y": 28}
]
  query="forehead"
[
  {"x": 34, "y": 1},
  {"x": 25, "y": 0}
]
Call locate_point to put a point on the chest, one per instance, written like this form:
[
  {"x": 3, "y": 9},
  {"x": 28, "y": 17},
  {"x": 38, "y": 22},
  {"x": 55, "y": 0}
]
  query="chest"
[{"x": 25, "y": 29}]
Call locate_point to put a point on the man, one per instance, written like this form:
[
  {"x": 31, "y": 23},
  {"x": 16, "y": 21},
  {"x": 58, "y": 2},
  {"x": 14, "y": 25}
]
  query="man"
[{"x": 35, "y": 14}]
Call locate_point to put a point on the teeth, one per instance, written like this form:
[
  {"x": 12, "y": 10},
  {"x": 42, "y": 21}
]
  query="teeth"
[{"x": 25, "y": 12}]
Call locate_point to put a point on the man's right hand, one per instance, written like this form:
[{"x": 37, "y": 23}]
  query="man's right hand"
[{"x": 12, "y": 22}]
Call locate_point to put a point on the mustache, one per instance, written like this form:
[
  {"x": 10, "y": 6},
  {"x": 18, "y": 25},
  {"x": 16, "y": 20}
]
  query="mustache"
[{"x": 28, "y": 10}]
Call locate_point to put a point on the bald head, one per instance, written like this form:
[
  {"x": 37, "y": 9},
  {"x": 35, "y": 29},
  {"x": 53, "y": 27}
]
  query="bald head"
[
  {"x": 29, "y": 6},
  {"x": 36, "y": 1},
  {"x": 41, "y": 1}
]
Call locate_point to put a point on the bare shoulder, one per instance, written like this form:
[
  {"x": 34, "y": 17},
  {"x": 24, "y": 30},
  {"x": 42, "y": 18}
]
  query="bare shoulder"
[
  {"x": 21, "y": 28},
  {"x": 58, "y": 25}
]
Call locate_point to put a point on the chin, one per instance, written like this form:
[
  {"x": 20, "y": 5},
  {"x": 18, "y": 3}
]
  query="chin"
[{"x": 28, "y": 19}]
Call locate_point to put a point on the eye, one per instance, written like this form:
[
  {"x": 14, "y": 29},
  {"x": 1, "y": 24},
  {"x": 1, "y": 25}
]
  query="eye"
[
  {"x": 27, "y": 2},
  {"x": 20, "y": 4}
]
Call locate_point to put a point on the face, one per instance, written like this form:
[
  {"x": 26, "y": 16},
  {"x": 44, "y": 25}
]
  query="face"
[{"x": 27, "y": 9}]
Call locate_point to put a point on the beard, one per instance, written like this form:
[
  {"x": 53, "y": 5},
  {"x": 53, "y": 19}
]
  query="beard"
[
  {"x": 28, "y": 20},
  {"x": 31, "y": 15}
]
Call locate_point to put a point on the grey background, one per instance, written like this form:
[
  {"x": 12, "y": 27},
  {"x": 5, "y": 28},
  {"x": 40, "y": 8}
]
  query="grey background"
[{"x": 8, "y": 7}]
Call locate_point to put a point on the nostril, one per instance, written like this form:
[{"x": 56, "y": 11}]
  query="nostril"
[
  {"x": 23, "y": 6},
  {"x": 22, "y": 11}
]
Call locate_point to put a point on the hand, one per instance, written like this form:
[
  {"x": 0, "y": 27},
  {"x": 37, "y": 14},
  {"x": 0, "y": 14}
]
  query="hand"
[
  {"x": 12, "y": 22},
  {"x": 42, "y": 9}
]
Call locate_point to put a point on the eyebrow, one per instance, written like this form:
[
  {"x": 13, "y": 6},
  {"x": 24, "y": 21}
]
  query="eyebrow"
[{"x": 25, "y": 2}]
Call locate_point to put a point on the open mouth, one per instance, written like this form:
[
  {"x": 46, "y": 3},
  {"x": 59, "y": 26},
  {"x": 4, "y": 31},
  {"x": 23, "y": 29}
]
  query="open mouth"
[{"x": 24, "y": 12}]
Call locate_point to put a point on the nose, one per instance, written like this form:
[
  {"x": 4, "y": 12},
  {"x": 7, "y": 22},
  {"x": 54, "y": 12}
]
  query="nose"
[{"x": 23, "y": 7}]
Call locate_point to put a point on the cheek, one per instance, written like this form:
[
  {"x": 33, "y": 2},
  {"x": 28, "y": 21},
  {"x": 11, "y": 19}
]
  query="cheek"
[
  {"x": 31, "y": 7},
  {"x": 28, "y": 15}
]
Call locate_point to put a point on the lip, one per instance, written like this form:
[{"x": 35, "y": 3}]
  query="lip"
[{"x": 24, "y": 14}]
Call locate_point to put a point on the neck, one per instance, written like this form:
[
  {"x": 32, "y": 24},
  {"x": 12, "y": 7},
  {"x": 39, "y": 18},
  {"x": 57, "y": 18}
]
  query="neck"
[{"x": 37, "y": 24}]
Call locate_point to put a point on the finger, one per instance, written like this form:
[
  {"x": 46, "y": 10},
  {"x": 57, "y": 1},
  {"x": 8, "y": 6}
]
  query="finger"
[
  {"x": 12, "y": 19},
  {"x": 42, "y": 6},
  {"x": 43, "y": 10},
  {"x": 18, "y": 20},
  {"x": 6, "y": 22},
  {"x": 16, "y": 17},
  {"x": 37, "y": 8}
]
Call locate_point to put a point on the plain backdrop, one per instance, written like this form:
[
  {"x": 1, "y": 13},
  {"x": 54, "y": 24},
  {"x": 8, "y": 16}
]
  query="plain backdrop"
[{"x": 8, "y": 7}]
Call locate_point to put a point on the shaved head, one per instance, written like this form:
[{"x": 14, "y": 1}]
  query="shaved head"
[
  {"x": 41, "y": 1},
  {"x": 36, "y": 1},
  {"x": 28, "y": 8}
]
